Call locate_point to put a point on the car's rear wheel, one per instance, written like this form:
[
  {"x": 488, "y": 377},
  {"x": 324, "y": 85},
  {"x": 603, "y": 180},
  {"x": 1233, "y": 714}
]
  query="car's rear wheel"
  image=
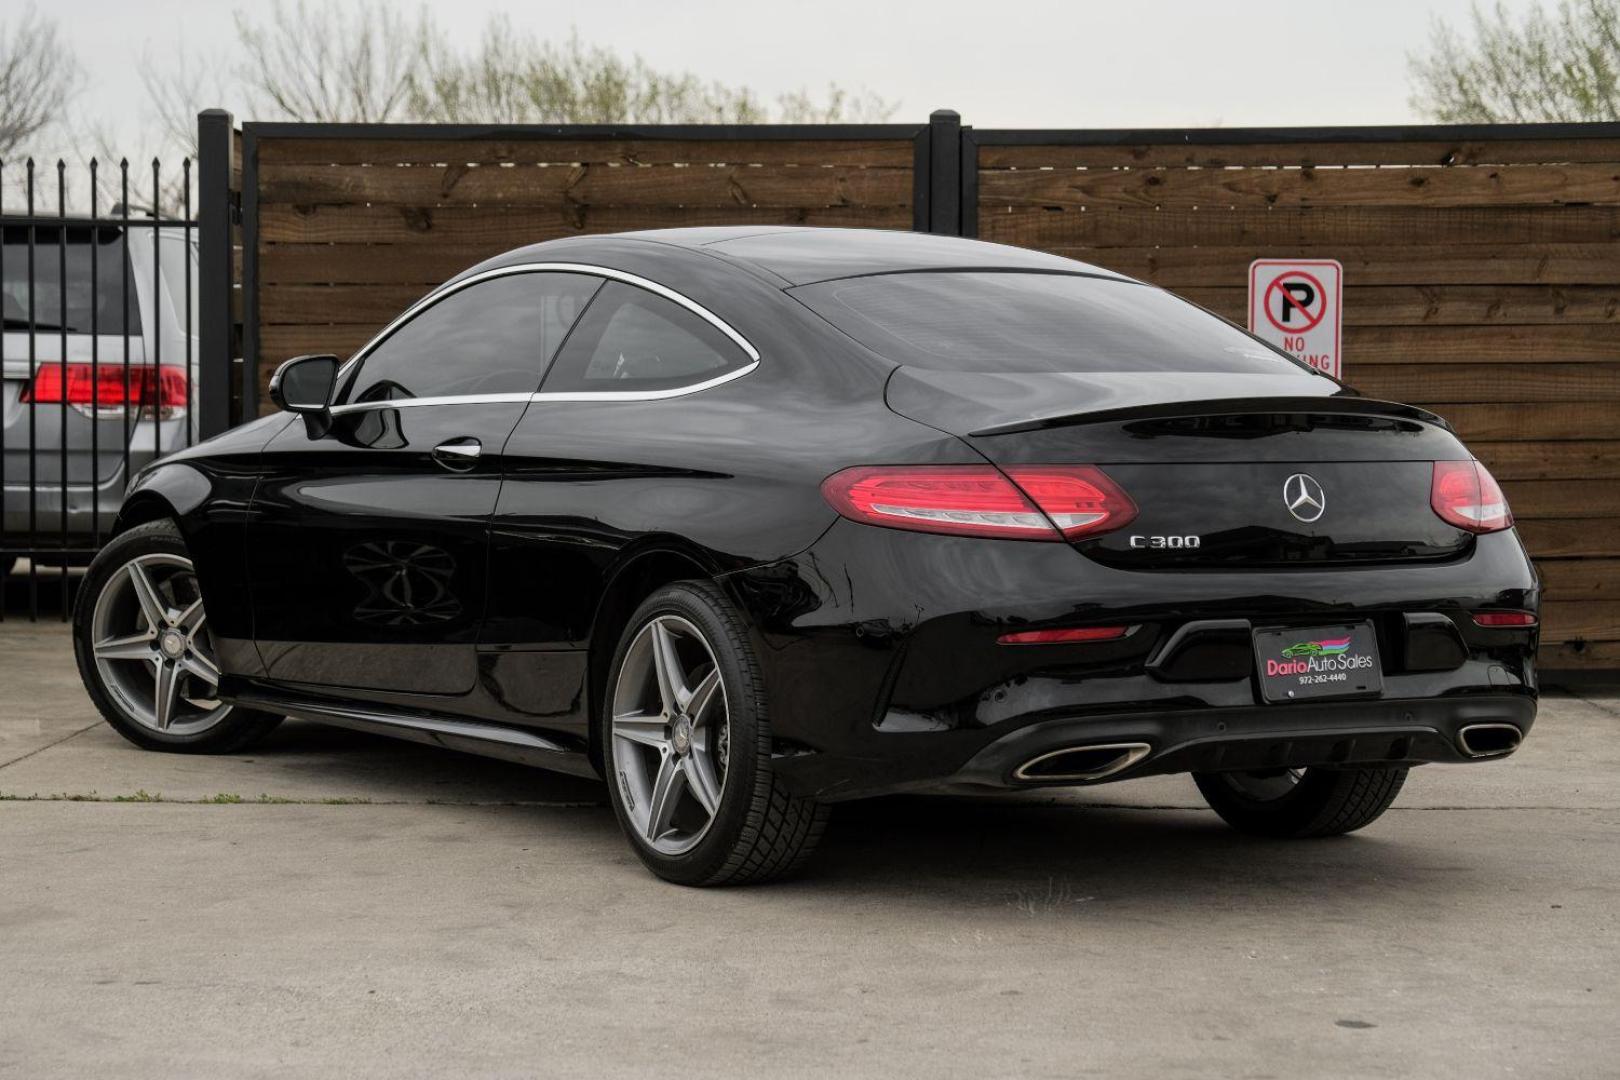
[
  {"x": 146, "y": 653},
  {"x": 1301, "y": 802},
  {"x": 688, "y": 748}
]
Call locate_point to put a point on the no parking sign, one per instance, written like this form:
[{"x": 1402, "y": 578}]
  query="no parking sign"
[{"x": 1296, "y": 304}]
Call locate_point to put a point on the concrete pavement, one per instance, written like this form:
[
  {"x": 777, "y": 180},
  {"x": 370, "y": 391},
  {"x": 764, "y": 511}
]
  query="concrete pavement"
[{"x": 335, "y": 904}]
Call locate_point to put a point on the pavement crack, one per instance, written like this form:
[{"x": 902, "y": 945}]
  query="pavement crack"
[
  {"x": 47, "y": 746},
  {"x": 1601, "y": 705}
]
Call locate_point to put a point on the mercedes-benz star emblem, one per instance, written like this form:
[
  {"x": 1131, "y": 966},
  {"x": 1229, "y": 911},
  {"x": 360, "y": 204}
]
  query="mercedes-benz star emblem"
[{"x": 1304, "y": 497}]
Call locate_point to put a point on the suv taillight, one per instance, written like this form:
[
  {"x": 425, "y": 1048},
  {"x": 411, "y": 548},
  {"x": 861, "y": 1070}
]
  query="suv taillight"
[
  {"x": 1027, "y": 502},
  {"x": 1465, "y": 494},
  {"x": 107, "y": 389}
]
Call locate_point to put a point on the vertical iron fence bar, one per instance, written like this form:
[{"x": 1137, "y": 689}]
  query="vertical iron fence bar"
[
  {"x": 62, "y": 367},
  {"x": 95, "y": 360},
  {"x": 123, "y": 172},
  {"x": 214, "y": 298},
  {"x": 33, "y": 408},
  {"x": 970, "y": 183},
  {"x": 6, "y": 556},
  {"x": 250, "y": 274},
  {"x": 944, "y": 173},
  {"x": 154, "y": 369},
  {"x": 185, "y": 250}
]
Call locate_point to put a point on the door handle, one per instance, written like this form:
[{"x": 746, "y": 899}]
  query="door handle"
[{"x": 458, "y": 454}]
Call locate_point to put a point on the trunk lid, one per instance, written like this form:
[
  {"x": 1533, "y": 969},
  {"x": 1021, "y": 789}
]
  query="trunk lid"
[{"x": 1228, "y": 471}]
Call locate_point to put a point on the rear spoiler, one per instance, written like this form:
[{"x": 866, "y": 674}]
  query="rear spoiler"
[{"x": 1228, "y": 407}]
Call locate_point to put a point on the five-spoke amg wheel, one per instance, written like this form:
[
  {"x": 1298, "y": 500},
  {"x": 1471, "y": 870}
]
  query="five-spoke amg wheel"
[
  {"x": 687, "y": 748},
  {"x": 1301, "y": 802},
  {"x": 145, "y": 653}
]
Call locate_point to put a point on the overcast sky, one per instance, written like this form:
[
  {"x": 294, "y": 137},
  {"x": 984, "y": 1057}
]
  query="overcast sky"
[{"x": 1033, "y": 63}]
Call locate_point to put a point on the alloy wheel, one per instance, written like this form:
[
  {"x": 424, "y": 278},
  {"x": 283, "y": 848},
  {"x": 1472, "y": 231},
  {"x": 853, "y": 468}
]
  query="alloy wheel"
[
  {"x": 152, "y": 648},
  {"x": 670, "y": 734}
]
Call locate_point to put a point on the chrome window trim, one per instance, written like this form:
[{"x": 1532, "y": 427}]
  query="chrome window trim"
[
  {"x": 606, "y": 272},
  {"x": 445, "y": 399},
  {"x": 643, "y": 395},
  {"x": 554, "y": 395}
]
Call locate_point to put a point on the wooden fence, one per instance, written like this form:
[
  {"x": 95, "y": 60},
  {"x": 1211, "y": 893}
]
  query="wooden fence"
[{"x": 1481, "y": 265}]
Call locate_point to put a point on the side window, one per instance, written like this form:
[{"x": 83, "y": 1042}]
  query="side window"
[
  {"x": 635, "y": 340},
  {"x": 491, "y": 338}
]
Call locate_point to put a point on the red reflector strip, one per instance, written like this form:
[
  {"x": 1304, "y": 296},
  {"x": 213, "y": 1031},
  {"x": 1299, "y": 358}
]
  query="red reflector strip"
[
  {"x": 1064, "y": 637},
  {"x": 1504, "y": 618}
]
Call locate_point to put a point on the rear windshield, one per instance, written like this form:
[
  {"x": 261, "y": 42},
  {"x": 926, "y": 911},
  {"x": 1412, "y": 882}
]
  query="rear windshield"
[
  {"x": 1022, "y": 322},
  {"x": 92, "y": 299}
]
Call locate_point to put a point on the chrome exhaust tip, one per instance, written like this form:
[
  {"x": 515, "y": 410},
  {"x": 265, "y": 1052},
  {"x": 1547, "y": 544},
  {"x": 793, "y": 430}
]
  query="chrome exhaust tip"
[
  {"x": 1081, "y": 762},
  {"x": 1489, "y": 740}
]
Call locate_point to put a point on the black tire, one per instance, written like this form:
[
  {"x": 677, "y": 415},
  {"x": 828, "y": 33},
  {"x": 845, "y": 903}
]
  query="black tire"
[
  {"x": 1323, "y": 802},
  {"x": 759, "y": 831},
  {"x": 236, "y": 730}
]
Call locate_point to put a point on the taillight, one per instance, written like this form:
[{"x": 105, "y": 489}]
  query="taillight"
[
  {"x": 1465, "y": 494},
  {"x": 92, "y": 388},
  {"x": 1510, "y": 619},
  {"x": 1080, "y": 499},
  {"x": 1023, "y": 503}
]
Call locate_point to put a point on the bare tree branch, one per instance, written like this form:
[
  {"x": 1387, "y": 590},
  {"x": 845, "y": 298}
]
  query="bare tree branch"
[
  {"x": 325, "y": 63},
  {"x": 39, "y": 76}
]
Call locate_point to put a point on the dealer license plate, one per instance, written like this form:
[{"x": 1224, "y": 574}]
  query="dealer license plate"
[{"x": 1318, "y": 662}]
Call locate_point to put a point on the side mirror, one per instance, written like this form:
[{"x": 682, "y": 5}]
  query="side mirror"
[{"x": 304, "y": 385}]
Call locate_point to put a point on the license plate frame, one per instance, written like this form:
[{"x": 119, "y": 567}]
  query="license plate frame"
[{"x": 1312, "y": 663}]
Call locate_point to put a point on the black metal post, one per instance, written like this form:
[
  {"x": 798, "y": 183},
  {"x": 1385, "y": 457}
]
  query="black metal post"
[
  {"x": 945, "y": 170},
  {"x": 215, "y": 205}
]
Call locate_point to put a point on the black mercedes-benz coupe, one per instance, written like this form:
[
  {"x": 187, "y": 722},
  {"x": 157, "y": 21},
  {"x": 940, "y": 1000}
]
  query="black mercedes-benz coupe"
[{"x": 752, "y": 521}]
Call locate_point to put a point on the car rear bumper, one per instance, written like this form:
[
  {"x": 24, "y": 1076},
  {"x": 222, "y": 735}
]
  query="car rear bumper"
[{"x": 881, "y": 659}]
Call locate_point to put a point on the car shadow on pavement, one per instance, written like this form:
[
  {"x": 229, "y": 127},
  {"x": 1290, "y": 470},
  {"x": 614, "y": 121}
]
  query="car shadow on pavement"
[{"x": 1057, "y": 856}]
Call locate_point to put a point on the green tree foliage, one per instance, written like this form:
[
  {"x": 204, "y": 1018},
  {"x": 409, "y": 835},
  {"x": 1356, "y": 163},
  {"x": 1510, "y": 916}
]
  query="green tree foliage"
[{"x": 1561, "y": 65}]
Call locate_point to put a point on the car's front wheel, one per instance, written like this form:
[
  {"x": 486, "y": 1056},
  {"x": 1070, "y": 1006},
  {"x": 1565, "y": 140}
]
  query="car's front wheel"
[
  {"x": 145, "y": 651},
  {"x": 688, "y": 748},
  {"x": 1301, "y": 802}
]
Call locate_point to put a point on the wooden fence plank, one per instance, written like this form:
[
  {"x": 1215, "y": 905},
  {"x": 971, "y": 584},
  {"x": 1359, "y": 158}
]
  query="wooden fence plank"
[
  {"x": 284, "y": 223},
  {"x": 1293, "y": 226},
  {"x": 1580, "y": 579},
  {"x": 278, "y": 343},
  {"x": 1592, "y": 460},
  {"x": 1577, "y": 539},
  {"x": 367, "y": 305},
  {"x": 1536, "y": 421},
  {"x": 1419, "y": 383},
  {"x": 1451, "y": 305},
  {"x": 1183, "y": 155},
  {"x": 1495, "y": 185},
  {"x": 1597, "y": 620},
  {"x": 1495, "y": 345},
  {"x": 361, "y": 264},
  {"x": 1586, "y": 656},
  {"x": 786, "y": 186},
  {"x": 892, "y": 153},
  {"x": 1419, "y": 264},
  {"x": 1573, "y": 499}
]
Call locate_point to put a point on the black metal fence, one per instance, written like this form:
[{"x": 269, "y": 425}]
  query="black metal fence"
[{"x": 99, "y": 355}]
